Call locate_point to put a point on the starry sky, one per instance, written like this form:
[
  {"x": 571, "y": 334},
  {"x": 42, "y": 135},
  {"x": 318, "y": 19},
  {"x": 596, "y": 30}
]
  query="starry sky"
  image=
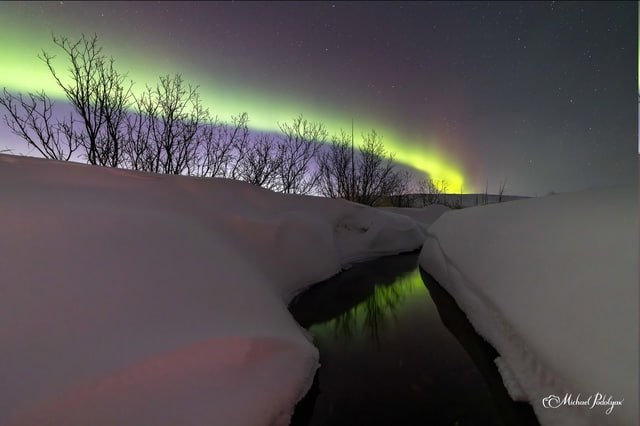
[{"x": 538, "y": 94}]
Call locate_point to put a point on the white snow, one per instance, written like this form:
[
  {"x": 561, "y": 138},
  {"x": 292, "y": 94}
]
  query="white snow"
[
  {"x": 552, "y": 284},
  {"x": 140, "y": 299},
  {"x": 424, "y": 216}
]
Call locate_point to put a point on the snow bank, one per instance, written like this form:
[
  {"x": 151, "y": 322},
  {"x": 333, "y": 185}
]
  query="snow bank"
[
  {"x": 140, "y": 299},
  {"x": 552, "y": 284},
  {"x": 424, "y": 216}
]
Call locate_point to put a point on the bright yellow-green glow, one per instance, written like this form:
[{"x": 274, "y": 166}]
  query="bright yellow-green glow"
[
  {"x": 23, "y": 71},
  {"x": 386, "y": 302}
]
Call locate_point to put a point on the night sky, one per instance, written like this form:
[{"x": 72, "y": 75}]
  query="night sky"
[{"x": 540, "y": 94}]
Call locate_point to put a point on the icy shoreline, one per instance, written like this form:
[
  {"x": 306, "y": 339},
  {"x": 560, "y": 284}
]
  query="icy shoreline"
[
  {"x": 141, "y": 299},
  {"x": 551, "y": 283}
]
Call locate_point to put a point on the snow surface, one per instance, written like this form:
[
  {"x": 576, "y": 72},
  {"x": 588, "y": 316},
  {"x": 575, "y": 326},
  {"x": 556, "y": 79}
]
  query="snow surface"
[
  {"x": 140, "y": 299},
  {"x": 552, "y": 284},
  {"x": 424, "y": 216}
]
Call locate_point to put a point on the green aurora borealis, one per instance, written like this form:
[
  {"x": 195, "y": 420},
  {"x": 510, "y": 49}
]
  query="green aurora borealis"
[
  {"x": 536, "y": 94},
  {"x": 23, "y": 71}
]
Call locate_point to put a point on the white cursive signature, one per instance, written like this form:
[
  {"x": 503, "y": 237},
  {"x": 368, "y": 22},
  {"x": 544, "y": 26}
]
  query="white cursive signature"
[{"x": 554, "y": 401}]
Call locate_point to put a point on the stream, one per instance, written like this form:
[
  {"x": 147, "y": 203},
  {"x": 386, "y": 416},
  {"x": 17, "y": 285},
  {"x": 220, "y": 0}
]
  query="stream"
[{"x": 395, "y": 349}]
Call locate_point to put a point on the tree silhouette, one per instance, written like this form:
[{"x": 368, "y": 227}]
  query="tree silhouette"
[
  {"x": 261, "y": 163},
  {"x": 99, "y": 95},
  {"x": 366, "y": 176},
  {"x": 166, "y": 129},
  {"x": 31, "y": 118},
  {"x": 298, "y": 146},
  {"x": 168, "y": 120}
]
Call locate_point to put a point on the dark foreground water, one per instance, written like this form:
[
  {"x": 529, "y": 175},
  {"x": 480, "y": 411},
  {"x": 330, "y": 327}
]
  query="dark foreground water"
[{"x": 395, "y": 349}]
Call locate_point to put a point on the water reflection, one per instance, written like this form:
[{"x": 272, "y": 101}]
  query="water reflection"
[
  {"x": 379, "y": 309},
  {"x": 359, "y": 300},
  {"x": 395, "y": 350},
  {"x": 481, "y": 353}
]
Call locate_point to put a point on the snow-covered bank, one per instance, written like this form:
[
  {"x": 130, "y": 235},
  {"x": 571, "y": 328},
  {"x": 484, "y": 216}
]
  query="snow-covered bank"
[
  {"x": 552, "y": 284},
  {"x": 140, "y": 299},
  {"x": 424, "y": 216}
]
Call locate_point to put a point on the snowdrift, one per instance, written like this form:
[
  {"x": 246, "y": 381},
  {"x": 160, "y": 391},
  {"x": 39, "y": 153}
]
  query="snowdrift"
[
  {"x": 424, "y": 216},
  {"x": 552, "y": 284},
  {"x": 141, "y": 299}
]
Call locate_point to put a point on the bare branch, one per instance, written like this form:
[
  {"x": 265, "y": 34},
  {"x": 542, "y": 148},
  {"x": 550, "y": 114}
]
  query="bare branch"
[
  {"x": 298, "y": 146},
  {"x": 31, "y": 118},
  {"x": 261, "y": 163}
]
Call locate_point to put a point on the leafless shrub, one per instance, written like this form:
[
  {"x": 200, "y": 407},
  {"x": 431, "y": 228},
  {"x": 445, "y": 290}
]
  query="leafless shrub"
[
  {"x": 261, "y": 163},
  {"x": 99, "y": 95},
  {"x": 31, "y": 118},
  {"x": 501, "y": 190},
  {"x": 297, "y": 149},
  {"x": 366, "y": 176},
  {"x": 169, "y": 117}
]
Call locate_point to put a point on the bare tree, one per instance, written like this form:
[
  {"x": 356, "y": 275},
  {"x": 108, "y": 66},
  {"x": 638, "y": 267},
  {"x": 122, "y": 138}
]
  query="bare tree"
[
  {"x": 261, "y": 163},
  {"x": 298, "y": 146},
  {"x": 98, "y": 94},
  {"x": 117, "y": 99},
  {"x": 139, "y": 148},
  {"x": 401, "y": 195},
  {"x": 214, "y": 152},
  {"x": 336, "y": 168},
  {"x": 376, "y": 177},
  {"x": 366, "y": 177},
  {"x": 430, "y": 190},
  {"x": 236, "y": 136},
  {"x": 31, "y": 118},
  {"x": 485, "y": 195},
  {"x": 170, "y": 116},
  {"x": 501, "y": 190}
]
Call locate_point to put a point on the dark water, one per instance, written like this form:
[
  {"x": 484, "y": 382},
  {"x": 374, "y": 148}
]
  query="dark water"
[{"x": 395, "y": 349}]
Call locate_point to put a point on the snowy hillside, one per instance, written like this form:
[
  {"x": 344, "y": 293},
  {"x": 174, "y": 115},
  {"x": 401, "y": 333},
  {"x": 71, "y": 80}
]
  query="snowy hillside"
[
  {"x": 552, "y": 284},
  {"x": 140, "y": 299}
]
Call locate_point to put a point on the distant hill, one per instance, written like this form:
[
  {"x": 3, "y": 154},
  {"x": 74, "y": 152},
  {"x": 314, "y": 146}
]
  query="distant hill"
[{"x": 453, "y": 200}]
